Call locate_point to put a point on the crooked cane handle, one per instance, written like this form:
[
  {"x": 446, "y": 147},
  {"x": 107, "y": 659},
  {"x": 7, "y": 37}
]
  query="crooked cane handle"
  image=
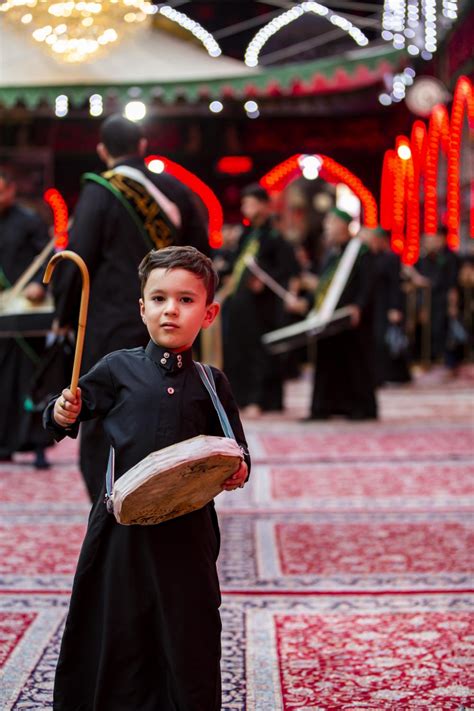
[{"x": 81, "y": 327}]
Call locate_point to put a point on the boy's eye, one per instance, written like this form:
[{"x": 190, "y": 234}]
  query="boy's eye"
[
  {"x": 187, "y": 300},
  {"x": 157, "y": 298}
]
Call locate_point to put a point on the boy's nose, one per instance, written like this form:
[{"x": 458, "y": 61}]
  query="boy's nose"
[{"x": 171, "y": 307}]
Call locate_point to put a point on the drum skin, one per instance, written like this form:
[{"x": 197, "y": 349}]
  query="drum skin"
[{"x": 175, "y": 480}]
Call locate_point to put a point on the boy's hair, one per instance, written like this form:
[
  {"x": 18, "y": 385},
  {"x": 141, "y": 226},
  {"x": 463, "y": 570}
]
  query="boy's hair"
[
  {"x": 120, "y": 136},
  {"x": 188, "y": 258}
]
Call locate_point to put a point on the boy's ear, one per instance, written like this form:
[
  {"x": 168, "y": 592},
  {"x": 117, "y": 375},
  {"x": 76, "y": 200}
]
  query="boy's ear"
[
  {"x": 142, "y": 310},
  {"x": 211, "y": 312}
]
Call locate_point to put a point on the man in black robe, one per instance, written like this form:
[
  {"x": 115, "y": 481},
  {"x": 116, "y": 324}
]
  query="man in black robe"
[
  {"x": 388, "y": 309},
  {"x": 253, "y": 309},
  {"x": 439, "y": 265},
  {"x": 344, "y": 380},
  {"x": 108, "y": 235},
  {"x": 22, "y": 237}
]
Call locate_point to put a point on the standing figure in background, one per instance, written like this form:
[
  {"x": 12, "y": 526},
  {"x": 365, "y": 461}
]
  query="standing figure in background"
[
  {"x": 120, "y": 216},
  {"x": 388, "y": 310},
  {"x": 253, "y": 309},
  {"x": 344, "y": 379},
  {"x": 439, "y": 265},
  {"x": 22, "y": 237}
]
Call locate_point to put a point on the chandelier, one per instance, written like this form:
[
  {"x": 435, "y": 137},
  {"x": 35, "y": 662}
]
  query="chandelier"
[
  {"x": 414, "y": 24},
  {"x": 75, "y": 30}
]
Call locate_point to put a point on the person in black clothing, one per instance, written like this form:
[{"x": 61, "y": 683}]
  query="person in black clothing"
[
  {"x": 344, "y": 380},
  {"x": 439, "y": 265},
  {"x": 143, "y": 629},
  {"x": 22, "y": 237},
  {"x": 253, "y": 309},
  {"x": 119, "y": 217},
  {"x": 388, "y": 309}
]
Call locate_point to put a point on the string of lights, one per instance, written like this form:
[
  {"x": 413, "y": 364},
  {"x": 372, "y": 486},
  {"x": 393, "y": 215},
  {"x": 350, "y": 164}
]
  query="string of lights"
[
  {"x": 60, "y": 217},
  {"x": 414, "y": 24},
  {"x": 183, "y": 20},
  {"x": 256, "y": 45}
]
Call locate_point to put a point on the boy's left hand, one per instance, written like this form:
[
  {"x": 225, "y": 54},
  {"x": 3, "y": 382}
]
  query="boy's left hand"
[{"x": 237, "y": 479}]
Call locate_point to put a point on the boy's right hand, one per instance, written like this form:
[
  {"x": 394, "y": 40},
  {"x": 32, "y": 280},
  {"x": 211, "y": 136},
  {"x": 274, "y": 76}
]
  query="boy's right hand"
[{"x": 67, "y": 408}]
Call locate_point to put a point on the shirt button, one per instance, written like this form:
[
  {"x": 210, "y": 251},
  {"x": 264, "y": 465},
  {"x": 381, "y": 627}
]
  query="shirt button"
[
  {"x": 166, "y": 355},
  {"x": 163, "y": 361},
  {"x": 170, "y": 391}
]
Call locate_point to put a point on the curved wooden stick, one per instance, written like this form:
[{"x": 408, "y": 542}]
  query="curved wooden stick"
[{"x": 81, "y": 327}]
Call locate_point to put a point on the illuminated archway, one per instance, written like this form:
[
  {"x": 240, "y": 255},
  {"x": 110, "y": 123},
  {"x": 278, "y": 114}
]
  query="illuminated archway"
[
  {"x": 60, "y": 217},
  {"x": 158, "y": 164},
  {"x": 331, "y": 171},
  {"x": 418, "y": 157},
  {"x": 463, "y": 106},
  {"x": 437, "y": 142}
]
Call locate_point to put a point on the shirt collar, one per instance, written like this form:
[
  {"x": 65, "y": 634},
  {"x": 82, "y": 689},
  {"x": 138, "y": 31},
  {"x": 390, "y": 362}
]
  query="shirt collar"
[{"x": 172, "y": 362}]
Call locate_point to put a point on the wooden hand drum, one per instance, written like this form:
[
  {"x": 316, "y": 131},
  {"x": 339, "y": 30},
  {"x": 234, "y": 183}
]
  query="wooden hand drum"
[{"x": 175, "y": 480}]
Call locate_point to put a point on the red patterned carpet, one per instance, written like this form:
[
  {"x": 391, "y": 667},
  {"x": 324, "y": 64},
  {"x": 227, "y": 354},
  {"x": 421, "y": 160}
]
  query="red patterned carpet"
[{"x": 346, "y": 563}]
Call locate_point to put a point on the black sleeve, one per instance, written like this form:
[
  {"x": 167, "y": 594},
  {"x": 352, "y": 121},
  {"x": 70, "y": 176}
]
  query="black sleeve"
[
  {"x": 395, "y": 300},
  {"x": 364, "y": 280},
  {"x": 98, "y": 397},
  {"x": 85, "y": 238},
  {"x": 230, "y": 406},
  {"x": 194, "y": 218},
  {"x": 193, "y": 226}
]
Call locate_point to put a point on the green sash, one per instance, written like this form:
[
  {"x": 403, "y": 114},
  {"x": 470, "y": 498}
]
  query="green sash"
[
  {"x": 150, "y": 219},
  {"x": 328, "y": 275},
  {"x": 325, "y": 282},
  {"x": 250, "y": 250}
]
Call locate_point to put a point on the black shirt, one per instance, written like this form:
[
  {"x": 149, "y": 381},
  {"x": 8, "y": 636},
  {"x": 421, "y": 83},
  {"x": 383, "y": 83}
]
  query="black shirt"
[{"x": 147, "y": 402}]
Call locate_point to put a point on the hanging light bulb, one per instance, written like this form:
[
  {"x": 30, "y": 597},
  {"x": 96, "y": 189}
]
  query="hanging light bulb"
[
  {"x": 75, "y": 30},
  {"x": 415, "y": 21}
]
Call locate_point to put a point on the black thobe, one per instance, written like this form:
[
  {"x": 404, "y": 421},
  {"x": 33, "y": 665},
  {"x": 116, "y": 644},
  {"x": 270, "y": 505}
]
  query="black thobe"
[
  {"x": 106, "y": 237},
  {"x": 143, "y": 630},
  {"x": 388, "y": 296},
  {"x": 255, "y": 375},
  {"x": 22, "y": 237},
  {"x": 344, "y": 381},
  {"x": 441, "y": 269}
]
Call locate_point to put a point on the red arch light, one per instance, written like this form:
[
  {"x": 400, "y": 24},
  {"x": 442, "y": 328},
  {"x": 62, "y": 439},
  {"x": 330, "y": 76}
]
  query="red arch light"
[
  {"x": 209, "y": 198},
  {"x": 400, "y": 193},
  {"x": 332, "y": 171},
  {"x": 60, "y": 216}
]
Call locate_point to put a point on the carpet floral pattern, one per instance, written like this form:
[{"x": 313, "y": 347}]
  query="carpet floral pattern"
[{"x": 346, "y": 563}]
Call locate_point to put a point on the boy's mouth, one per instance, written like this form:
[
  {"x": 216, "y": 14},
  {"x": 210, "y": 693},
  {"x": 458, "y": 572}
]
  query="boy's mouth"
[{"x": 169, "y": 325}]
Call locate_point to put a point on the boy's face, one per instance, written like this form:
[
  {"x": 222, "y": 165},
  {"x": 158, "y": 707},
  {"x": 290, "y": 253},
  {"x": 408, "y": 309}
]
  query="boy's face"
[{"x": 174, "y": 308}]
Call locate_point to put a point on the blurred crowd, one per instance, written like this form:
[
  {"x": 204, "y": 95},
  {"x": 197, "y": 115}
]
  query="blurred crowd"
[
  {"x": 406, "y": 315},
  {"x": 276, "y": 269}
]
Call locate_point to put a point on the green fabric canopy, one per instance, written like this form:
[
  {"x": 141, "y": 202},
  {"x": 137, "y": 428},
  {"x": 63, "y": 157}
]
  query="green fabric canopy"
[{"x": 211, "y": 78}]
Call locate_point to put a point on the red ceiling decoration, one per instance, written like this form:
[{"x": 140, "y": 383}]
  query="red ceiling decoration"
[{"x": 234, "y": 165}]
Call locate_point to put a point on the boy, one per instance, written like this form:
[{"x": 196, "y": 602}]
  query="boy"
[{"x": 143, "y": 630}]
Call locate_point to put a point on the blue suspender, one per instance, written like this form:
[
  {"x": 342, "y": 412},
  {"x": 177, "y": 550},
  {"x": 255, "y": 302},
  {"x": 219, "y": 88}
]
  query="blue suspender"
[
  {"x": 207, "y": 378},
  {"x": 205, "y": 373}
]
